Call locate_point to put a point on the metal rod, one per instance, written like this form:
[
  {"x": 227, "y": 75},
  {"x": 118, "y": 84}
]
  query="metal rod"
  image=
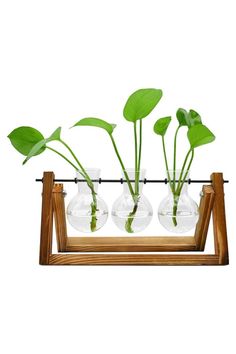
[{"x": 121, "y": 180}]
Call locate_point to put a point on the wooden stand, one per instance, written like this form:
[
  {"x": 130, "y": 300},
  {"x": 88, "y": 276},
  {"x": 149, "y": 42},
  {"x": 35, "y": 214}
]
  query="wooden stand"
[{"x": 212, "y": 202}]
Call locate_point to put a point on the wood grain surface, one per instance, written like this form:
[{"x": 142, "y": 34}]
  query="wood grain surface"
[
  {"x": 60, "y": 217},
  {"x": 46, "y": 219},
  {"x": 133, "y": 259},
  {"x": 219, "y": 219},
  {"x": 130, "y": 244},
  {"x": 205, "y": 212}
]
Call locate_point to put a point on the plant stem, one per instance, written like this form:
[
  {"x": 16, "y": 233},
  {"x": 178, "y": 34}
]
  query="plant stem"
[
  {"x": 175, "y": 208},
  {"x": 136, "y": 158},
  {"x": 130, "y": 219},
  {"x": 187, "y": 170},
  {"x": 181, "y": 182},
  {"x": 93, "y": 223},
  {"x": 140, "y": 147},
  {"x": 123, "y": 167},
  {"x": 182, "y": 169},
  {"x": 166, "y": 163},
  {"x": 78, "y": 162},
  {"x": 84, "y": 173},
  {"x": 138, "y": 152},
  {"x": 174, "y": 159},
  {"x": 175, "y": 199},
  {"x": 168, "y": 176},
  {"x": 64, "y": 157}
]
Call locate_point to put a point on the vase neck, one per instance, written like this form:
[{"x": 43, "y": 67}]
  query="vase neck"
[
  {"x": 94, "y": 174},
  {"x": 177, "y": 178},
  {"x": 132, "y": 174}
]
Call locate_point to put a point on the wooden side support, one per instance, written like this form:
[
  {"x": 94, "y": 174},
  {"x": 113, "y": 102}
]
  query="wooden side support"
[
  {"x": 46, "y": 219},
  {"x": 205, "y": 209},
  {"x": 219, "y": 219},
  {"x": 60, "y": 217}
]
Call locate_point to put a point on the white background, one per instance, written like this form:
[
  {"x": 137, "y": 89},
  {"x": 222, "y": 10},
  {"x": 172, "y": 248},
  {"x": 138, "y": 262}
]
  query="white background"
[{"x": 64, "y": 60}]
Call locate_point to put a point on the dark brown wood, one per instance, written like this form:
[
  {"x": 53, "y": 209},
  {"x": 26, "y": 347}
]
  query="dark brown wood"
[
  {"x": 60, "y": 217},
  {"x": 205, "y": 210},
  {"x": 133, "y": 259},
  {"x": 219, "y": 219},
  {"x": 130, "y": 244},
  {"x": 46, "y": 219}
]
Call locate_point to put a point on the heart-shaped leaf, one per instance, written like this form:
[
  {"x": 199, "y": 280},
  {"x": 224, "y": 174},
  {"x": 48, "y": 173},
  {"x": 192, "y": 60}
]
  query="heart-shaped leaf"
[
  {"x": 188, "y": 118},
  {"x": 24, "y": 138},
  {"x": 42, "y": 144},
  {"x": 199, "y": 135},
  {"x": 96, "y": 122},
  {"x": 194, "y": 118},
  {"x": 141, "y": 103},
  {"x": 161, "y": 125},
  {"x": 182, "y": 116}
]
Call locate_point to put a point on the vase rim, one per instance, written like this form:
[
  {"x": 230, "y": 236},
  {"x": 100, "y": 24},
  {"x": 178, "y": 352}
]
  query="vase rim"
[
  {"x": 92, "y": 173},
  {"x": 177, "y": 170},
  {"x": 97, "y": 169},
  {"x": 133, "y": 170}
]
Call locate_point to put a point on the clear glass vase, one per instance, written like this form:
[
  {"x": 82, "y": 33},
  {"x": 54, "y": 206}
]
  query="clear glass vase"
[
  {"x": 132, "y": 213},
  {"x": 178, "y": 212},
  {"x": 87, "y": 211}
]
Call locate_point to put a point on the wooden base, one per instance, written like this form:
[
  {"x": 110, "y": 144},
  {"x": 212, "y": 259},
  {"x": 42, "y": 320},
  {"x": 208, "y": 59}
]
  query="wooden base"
[
  {"x": 133, "y": 259},
  {"x": 130, "y": 244},
  {"x": 212, "y": 200}
]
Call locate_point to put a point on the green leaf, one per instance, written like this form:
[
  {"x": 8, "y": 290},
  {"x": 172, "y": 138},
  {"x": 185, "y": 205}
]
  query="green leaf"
[
  {"x": 194, "y": 118},
  {"x": 42, "y": 144},
  {"x": 188, "y": 118},
  {"x": 36, "y": 148},
  {"x": 141, "y": 103},
  {"x": 24, "y": 138},
  {"x": 182, "y": 116},
  {"x": 199, "y": 135},
  {"x": 161, "y": 125},
  {"x": 56, "y": 135},
  {"x": 96, "y": 122}
]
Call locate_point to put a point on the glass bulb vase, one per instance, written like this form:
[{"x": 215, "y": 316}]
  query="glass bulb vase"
[
  {"x": 132, "y": 212},
  {"x": 178, "y": 212},
  {"x": 87, "y": 211}
]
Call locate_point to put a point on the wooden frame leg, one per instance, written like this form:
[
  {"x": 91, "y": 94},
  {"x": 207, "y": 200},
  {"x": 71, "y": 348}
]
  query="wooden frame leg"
[
  {"x": 219, "y": 219},
  {"x": 60, "y": 217},
  {"x": 205, "y": 210},
  {"x": 46, "y": 219}
]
